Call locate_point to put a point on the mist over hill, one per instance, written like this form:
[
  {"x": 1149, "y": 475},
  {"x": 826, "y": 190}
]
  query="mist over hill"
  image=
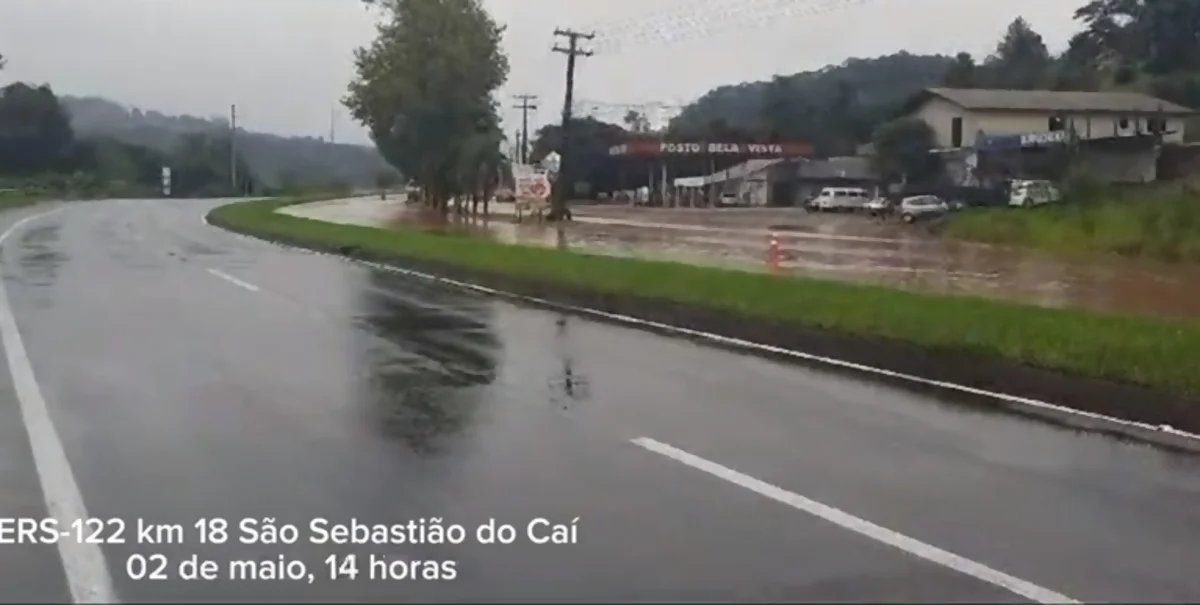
[{"x": 275, "y": 160}]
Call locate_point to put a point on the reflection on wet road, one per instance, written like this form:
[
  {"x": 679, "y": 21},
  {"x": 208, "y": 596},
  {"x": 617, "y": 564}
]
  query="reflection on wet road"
[{"x": 193, "y": 374}]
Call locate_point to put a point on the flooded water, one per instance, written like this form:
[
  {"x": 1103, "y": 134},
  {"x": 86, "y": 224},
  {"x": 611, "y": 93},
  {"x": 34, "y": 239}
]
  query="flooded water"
[{"x": 857, "y": 249}]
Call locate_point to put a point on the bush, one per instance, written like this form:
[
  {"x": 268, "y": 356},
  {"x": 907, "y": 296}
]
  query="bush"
[{"x": 1161, "y": 222}]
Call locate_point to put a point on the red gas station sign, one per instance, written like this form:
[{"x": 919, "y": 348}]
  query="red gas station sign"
[{"x": 661, "y": 148}]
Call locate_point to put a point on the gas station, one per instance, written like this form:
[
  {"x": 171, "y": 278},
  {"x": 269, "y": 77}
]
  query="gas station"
[{"x": 700, "y": 173}]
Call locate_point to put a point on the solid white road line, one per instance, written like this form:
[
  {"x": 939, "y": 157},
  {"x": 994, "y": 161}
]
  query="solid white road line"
[
  {"x": 84, "y": 564},
  {"x": 863, "y": 527},
  {"x": 235, "y": 281}
]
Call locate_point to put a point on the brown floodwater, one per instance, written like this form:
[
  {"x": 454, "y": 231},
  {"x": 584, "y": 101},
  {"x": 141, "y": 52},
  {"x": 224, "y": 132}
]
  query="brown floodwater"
[{"x": 859, "y": 249}]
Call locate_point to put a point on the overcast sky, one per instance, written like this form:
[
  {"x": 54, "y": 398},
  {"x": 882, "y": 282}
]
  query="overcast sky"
[{"x": 285, "y": 63}]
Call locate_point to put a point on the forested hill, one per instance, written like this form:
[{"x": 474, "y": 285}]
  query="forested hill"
[
  {"x": 849, "y": 98},
  {"x": 275, "y": 160},
  {"x": 1149, "y": 47}
]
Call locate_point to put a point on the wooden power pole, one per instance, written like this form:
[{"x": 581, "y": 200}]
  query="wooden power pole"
[
  {"x": 527, "y": 104},
  {"x": 233, "y": 151},
  {"x": 565, "y": 183}
]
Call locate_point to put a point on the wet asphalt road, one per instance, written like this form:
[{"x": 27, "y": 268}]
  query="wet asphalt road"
[{"x": 194, "y": 374}]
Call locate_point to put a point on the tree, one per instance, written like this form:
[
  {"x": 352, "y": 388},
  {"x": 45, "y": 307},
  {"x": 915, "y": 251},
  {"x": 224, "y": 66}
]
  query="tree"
[
  {"x": 780, "y": 109},
  {"x": 35, "y": 131},
  {"x": 1080, "y": 66},
  {"x": 591, "y": 140},
  {"x": 424, "y": 89},
  {"x": 845, "y": 117},
  {"x": 478, "y": 166},
  {"x": 962, "y": 72},
  {"x": 636, "y": 122},
  {"x": 1021, "y": 60},
  {"x": 902, "y": 150},
  {"x": 1158, "y": 36},
  {"x": 811, "y": 106}
]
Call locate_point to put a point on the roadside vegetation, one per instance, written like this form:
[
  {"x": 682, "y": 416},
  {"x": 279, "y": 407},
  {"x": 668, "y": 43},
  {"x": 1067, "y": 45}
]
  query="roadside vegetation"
[
  {"x": 43, "y": 157},
  {"x": 1160, "y": 223},
  {"x": 1152, "y": 352},
  {"x": 17, "y": 199},
  {"x": 424, "y": 90}
]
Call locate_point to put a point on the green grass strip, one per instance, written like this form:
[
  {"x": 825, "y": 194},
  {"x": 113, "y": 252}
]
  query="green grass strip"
[
  {"x": 1154, "y": 352},
  {"x": 9, "y": 201},
  {"x": 1161, "y": 223}
]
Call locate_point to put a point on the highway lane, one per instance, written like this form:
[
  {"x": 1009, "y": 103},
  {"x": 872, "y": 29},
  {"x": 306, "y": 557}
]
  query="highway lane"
[{"x": 190, "y": 373}]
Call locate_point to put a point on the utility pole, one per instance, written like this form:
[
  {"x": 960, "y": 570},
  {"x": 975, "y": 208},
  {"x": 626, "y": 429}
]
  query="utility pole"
[
  {"x": 233, "y": 175},
  {"x": 525, "y": 106},
  {"x": 332, "y": 125},
  {"x": 565, "y": 184}
]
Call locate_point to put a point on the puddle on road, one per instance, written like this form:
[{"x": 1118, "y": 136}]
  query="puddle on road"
[
  {"x": 434, "y": 362},
  {"x": 428, "y": 371},
  {"x": 856, "y": 249},
  {"x": 38, "y": 256}
]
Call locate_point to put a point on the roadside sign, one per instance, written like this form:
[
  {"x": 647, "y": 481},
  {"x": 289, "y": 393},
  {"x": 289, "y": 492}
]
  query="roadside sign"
[{"x": 531, "y": 183}]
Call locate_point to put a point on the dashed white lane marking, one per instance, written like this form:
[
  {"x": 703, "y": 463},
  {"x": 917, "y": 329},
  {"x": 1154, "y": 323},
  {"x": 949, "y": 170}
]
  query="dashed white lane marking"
[
  {"x": 860, "y": 526},
  {"x": 84, "y": 564},
  {"x": 235, "y": 281}
]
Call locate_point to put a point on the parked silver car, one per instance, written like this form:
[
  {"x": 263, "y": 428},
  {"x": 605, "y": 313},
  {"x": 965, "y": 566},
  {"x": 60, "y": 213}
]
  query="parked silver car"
[{"x": 919, "y": 207}]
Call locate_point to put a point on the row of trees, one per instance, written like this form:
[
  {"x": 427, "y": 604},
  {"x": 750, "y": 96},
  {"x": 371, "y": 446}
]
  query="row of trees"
[
  {"x": 288, "y": 163},
  {"x": 424, "y": 90},
  {"x": 93, "y": 147},
  {"x": 1144, "y": 45},
  {"x": 39, "y": 150},
  {"x": 1147, "y": 45}
]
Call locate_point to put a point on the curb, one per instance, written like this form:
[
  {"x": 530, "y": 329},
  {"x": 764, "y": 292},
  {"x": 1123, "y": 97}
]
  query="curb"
[{"x": 1162, "y": 436}]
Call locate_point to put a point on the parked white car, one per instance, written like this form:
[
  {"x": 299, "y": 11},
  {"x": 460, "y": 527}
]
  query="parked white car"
[
  {"x": 729, "y": 200},
  {"x": 1032, "y": 193},
  {"x": 840, "y": 198},
  {"x": 922, "y": 206}
]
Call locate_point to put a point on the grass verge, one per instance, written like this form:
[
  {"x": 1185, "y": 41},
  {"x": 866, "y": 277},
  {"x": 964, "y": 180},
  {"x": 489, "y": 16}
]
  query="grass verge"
[
  {"x": 16, "y": 200},
  {"x": 1162, "y": 223},
  {"x": 1155, "y": 353}
]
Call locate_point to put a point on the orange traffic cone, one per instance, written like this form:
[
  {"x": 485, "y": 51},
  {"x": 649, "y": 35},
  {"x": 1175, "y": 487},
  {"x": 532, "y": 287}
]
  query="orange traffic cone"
[{"x": 773, "y": 255}]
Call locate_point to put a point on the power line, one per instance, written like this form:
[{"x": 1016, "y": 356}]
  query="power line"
[
  {"x": 700, "y": 16},
  {"x": 646, "y": 105},
  {"x": 707, "y": 18},
  {"x": 639, "y": 20},
  {"x": 564, "y": 183}
]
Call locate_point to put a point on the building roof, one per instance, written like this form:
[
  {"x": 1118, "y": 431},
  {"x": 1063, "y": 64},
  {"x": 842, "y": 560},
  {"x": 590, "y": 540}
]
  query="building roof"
[
  {"x": 740, "y": 171},
  {"x": 1050, "y": 101},
  {"x": 850, "y": 167}
]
